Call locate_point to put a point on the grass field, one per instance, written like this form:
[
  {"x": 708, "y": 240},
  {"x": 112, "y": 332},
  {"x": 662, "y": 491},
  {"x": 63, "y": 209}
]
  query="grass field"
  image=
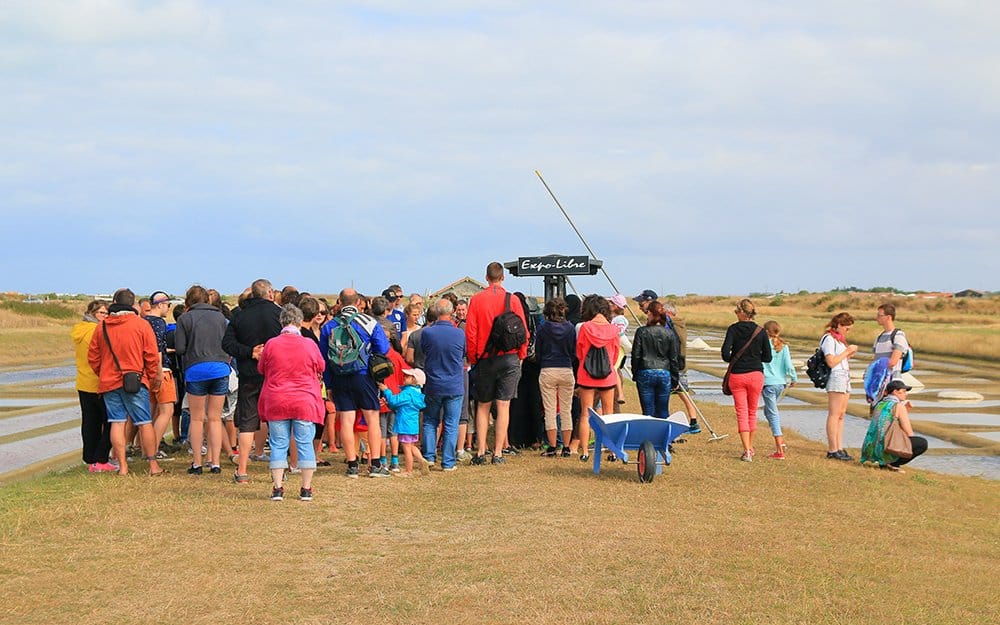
[{"x": 713, "y": 540}]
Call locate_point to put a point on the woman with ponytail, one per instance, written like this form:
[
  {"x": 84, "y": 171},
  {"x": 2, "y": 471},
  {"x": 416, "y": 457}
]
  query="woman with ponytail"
[{"x": 777, "y": 374}]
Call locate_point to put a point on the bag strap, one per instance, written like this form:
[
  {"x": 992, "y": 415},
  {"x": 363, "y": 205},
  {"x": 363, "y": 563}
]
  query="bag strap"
[
  {"x": 104, "y": 328},
  {"x": 732, "y": 361},
  {"x": 506, "y": 303}
]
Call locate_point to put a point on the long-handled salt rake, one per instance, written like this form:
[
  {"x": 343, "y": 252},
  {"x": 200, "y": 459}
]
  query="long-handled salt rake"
[{"x": 715, "y": 436}]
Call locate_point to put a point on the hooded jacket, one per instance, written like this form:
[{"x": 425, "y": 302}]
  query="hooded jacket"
[
  {"x": 199, "y": 333},
  {"x": 597, "y": 335},
  {"x": 134, "y": 344},
  {"x": 86, "y": 380}
]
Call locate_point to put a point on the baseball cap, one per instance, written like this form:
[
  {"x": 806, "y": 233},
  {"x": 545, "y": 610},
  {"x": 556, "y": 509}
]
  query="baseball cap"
[
  {"x": 418, "y": 374},
  {"x": 646, "y": 296},
  {"x": 618, "y": 300},
  {"x": 895, "y": 385},
  {"x": 390, "y": 295}
]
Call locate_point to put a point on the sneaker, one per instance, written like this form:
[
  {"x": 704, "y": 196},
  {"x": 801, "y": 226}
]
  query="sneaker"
[
  {"x": 584, "y": 457},
  {"x": 566, "y": 453},
  {"x": 195, "y": 470},
  {"x": 240, "y": 479},
  {"x": 294, "y": 470},
  {"x": 101, "y": 467},
  {"x": 379, "y": 472},
  {"x": 216, "y": 469},
  {"x": 260, "y": 457},
  {"x": 305, "y": 494},
  {"x": 479, "y": 460},
  {"x": 510, "y": 451},
  {"x": 277, "y": 494},
  {"x": 234, "y": 458},
  {"x": 695, "y": 428},
  {"x": 499, "y": 460},
  {"x": 323, "y": 463},
  {"x": 394, "y": 467},
  {"x": 450, "y": 469},
  {"x": 463, "y": 455},
  {"x": 747, "y": 456},
  {"x": 551, "y": 452},
  {"x": 352, "y": 472},
  {"x": 162, "y": 455},
  {"x": 843, "y": 455},
  {"x": 777, "y": 456}
]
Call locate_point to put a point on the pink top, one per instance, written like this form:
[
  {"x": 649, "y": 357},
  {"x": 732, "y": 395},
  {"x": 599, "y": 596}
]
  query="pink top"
[
  {"x": 292, "y": 367},
  {"x": 599, "y": 335}
]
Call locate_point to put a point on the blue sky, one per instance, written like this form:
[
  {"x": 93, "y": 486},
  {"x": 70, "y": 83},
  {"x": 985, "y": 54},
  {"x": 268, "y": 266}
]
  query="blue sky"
[{"x": 713, "y": 147}]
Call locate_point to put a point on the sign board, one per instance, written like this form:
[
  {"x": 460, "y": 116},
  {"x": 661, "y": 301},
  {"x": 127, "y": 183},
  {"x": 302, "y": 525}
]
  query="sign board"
[{"x": 553, "y": 265}]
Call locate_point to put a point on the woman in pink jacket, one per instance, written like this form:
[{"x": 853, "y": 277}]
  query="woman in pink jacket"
[
  {"x": 597, "y": 347},
  {"x": 290, "y": 400}
]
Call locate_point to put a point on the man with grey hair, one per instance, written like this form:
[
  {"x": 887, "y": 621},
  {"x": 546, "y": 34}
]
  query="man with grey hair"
[
  {"x": 252, "y": 324},
  {"x": 443, "y": 345},
  {"x": 680, "y": 386},
  {"x": 348, "y": 384}
]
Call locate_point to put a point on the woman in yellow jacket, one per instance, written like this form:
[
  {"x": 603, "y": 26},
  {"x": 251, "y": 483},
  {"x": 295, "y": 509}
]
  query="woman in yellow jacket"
[{"x": 94, "y": 427}]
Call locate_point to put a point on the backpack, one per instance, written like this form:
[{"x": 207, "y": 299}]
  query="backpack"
[
  {"x": 379, "y": 367},
  {"x": 508, "y": 332},
  {"x": 596, "y": 363},
  {"x": 347, "y": 353},
  {"x": 907, "y": 358},
  {"x": 816, "y": 367}
]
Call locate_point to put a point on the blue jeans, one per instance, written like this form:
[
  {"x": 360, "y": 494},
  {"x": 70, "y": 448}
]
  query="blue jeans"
[
  {"x": 770, "y": 394},
  {"x": 279, "y": 433},
  {"x": 654, "y": 392},
  {"x": 447, "y": 409},
  {"x": 121, "y": 405}
]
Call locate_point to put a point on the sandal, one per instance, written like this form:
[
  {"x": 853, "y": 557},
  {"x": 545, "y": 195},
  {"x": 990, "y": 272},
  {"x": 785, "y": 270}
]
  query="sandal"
[{"x": 160, "y": 472}]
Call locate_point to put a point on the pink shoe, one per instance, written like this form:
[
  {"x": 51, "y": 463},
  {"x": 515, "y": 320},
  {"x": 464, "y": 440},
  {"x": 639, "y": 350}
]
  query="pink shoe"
[
  {"x": 101, "y": 467},
  {"x": 777, "y": 456}
]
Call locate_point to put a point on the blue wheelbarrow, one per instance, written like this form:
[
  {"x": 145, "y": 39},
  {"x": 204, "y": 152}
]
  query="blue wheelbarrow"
[{"x": 649, "y": 436}]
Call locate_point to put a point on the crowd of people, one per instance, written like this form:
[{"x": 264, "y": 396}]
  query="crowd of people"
[{"x": 285, "y": 375}]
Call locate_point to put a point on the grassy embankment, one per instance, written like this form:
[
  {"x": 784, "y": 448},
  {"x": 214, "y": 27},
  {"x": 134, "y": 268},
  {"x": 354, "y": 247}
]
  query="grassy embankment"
[
  {"x": 37, "y": 334},
  {"x": 713, "y": 540}
]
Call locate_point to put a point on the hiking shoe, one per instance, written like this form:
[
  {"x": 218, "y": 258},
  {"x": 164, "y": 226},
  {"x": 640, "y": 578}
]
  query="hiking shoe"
[
  {"x": 195, "y": 470},
  {"x": 695, "y": 428},
  {"x": 551, "y": 452},
  {"x": 479, "y": 460},
  {"x": 510, "y": 451},
  {"x": 747, "y": 456},
  {"x": 777, "y": 456},
  {"x": 277, "y": 494},
  {"x": 379, "y": 472},
  {"x": 352, "y": 472},
  {"x": 305, "y": 494},
  {"x": 240, "y": 479},
  {"x": 499, "y": 460},
  {"x": 843, "y": 455},
  {"x": 215, "y": 469}
]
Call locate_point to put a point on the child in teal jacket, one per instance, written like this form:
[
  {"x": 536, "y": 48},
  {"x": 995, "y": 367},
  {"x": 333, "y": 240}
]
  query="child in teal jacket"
[{"x": 407, "y": 405}]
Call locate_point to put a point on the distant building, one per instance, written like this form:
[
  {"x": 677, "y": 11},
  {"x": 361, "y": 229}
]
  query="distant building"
[
  {"x": 969, "y": 293},
  {"x": 464, "y": 288}
]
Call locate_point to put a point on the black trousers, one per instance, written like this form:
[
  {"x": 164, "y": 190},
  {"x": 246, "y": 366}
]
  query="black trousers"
[
  {"x": 94, "y": 428},
  {"x": 919, "y": 444}
]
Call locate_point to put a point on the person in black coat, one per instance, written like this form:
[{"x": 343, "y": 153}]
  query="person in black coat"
[{"x": 746, "y": 348}]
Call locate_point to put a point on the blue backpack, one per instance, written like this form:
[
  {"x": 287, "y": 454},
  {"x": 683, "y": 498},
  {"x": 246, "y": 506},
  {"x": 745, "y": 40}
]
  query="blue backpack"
[{"x": 877, "y": 376}]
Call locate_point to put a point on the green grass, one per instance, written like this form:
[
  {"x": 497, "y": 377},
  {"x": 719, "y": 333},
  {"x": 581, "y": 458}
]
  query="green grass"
[{"x": 44, "y": 309}]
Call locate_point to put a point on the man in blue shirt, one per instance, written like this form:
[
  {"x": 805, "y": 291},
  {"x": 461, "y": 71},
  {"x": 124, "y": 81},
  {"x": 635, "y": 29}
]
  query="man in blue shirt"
[
  {"x": 443, "y": 345},
  {"x": 356, "y": 390},
  {"x": 394, "y": 296}
]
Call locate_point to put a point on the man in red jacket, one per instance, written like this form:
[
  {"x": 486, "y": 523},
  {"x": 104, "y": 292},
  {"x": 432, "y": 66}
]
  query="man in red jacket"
[
  {"x": 125, "y": 343},
  {"x": 495, "y": 374}
]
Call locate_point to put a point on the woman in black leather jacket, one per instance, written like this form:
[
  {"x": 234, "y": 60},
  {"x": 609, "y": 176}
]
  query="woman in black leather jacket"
[{"x": 656, "y": 355}]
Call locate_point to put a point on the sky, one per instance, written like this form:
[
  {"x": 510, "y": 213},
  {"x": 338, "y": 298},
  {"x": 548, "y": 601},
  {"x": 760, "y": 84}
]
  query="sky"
[{"x": 717, "y": 147}]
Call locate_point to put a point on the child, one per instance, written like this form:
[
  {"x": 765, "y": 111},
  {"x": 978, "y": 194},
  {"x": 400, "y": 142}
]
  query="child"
[
  {"x": 776, "y": 374},
  {"x": 407, "y": 405}
]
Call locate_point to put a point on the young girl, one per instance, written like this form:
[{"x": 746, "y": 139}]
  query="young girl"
[
  {"x": 777, "y": 373},
  {"x": 408, "y": 403}
]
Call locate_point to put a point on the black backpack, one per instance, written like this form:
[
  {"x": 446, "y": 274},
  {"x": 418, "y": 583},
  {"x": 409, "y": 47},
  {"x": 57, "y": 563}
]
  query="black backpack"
[
  {"x": 596, "y": 363},
  {"x": 508, "y": 332},
  {"x": 816, "y": 367}
]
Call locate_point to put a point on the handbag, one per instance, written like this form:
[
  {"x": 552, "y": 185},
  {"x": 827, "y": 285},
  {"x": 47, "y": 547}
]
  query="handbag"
[
  {"x": 725, "y": 379},
  {"x": 131, "y": 380},
  {"x": 896, "y": 442}
]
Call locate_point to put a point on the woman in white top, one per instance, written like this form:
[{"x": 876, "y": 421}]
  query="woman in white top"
[{"x": 838, "y": 387}]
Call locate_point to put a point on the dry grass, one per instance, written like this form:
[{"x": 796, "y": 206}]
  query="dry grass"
[{"x": 713, "y": 540}]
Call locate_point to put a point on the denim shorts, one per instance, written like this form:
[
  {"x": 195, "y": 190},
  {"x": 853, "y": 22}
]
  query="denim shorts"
[
  {"x": 839, "y": 382},
  {"x": 215, "y": 386},
  {"x": 121, "y": 405}
]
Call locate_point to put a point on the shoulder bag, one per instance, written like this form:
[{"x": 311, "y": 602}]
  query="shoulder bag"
[
  {"x": 896, "y": 442},
  {"x": 131, "y": 380}
]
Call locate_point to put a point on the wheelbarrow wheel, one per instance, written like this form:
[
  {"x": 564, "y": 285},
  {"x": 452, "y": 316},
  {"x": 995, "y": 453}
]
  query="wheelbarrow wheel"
[{"x": 646, "y": 462}]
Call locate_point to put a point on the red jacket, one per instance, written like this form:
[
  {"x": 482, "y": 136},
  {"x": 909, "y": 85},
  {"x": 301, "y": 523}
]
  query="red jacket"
[
  {"x": 394, "y": 381},
  {"x": 599, "y": 335},
  {"x": 291, "y": 365},
  {"x": 484, "y": 307},
  {"x": 134, "y": 344}
]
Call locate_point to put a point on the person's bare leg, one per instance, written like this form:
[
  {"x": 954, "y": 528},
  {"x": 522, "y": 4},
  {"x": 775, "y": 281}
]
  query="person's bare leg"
[
  {"x": 147, "y": 438},
  {"x": 214, "y": 405},
  {"x": 745, "y": 439},
  {"x": 837, "y": 404},
  {"x": 244, "y": 442},
  {"x": 583, "y": 434},
  {"x": 779, "y": 444},
  {"x": 278, "y": 477},
  {"x": 118, "y": 446},
  {"x": 347, "y": 435},
  {"x": 259, "y": 438},
  {"x": 688, "y": 407},
  {"x": 196, "y": 431},
  {"x": 161, "y": 421},
  {"x": 460, "y": 442},
  {"x": 231, "y": 437},
  {"x": 408, "y": 457},
  {"x": 500, "y": 432},
  {"x": 307, "y": 478},
  {"x": 374, "y": 434},
  {"x": 482, "y": 426}
]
